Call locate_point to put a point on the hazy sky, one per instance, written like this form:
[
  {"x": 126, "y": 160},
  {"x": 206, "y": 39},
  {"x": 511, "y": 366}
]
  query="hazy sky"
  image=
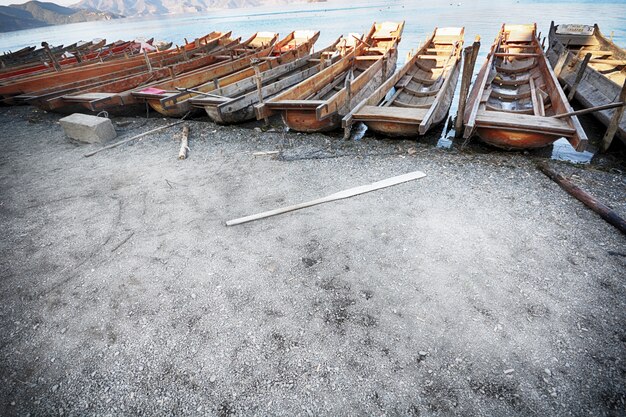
[{"x": 61, "y": 2}]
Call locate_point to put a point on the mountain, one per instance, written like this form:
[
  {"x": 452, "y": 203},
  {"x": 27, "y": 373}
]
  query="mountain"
[
  {"x": 36, "y": 14},
  {"x": 148, "y": 7}
]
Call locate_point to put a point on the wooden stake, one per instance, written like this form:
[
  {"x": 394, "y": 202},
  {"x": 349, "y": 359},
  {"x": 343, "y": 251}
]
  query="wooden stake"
[
  {"x": 614, "y": 125},
  {"x": 116, "y": 144},
  {"x": 469, "y": 60},
  {"x": 590, "y": 201},
  {"x": 184, "y": 143},
  {"x": 259, "y": 85},
  {"x": 579, "y": 77},
  {"x": 53, "y": 59},
  {"x": 590, "y": 110},
  {"x": 333, "y": 197},
  {"x": 145, "y": 55}
]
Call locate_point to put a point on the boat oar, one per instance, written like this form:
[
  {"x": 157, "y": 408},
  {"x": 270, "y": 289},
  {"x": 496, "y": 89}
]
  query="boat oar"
[
  {"x": 333, "y": 197},
  {"x": 591, "y": 109}
]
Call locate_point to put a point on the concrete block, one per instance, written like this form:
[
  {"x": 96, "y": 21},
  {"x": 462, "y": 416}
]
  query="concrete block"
[{"x": 86, "y": 128}]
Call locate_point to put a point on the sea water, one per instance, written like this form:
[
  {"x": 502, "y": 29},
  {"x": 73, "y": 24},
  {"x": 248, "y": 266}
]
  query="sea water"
[{"x": 333, "y": 18}]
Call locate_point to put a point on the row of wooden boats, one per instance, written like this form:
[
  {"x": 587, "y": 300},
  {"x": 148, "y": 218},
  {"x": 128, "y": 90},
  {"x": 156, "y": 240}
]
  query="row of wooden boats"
[{"x": 515, "y": 102}]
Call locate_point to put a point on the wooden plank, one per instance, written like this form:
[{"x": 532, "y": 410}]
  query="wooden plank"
[
  {"x": 579, "y": 77},
  {"x": 397, "y": 114},
  {"x": 295, "y": 104},
  {"x": 389, "y": 182},
  {"x": 522, "y": 121},
  {"x": 616, "y": 62},
  {"x": 533, "y": 95},
  {"x": 469, "y": 61},
  {"x": 615, "y": 120},
  {"x": 516, "y": 54}
]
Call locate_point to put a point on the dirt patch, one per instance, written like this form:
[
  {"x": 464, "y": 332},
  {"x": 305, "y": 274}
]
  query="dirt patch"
[{"x": 481, "y": 289}]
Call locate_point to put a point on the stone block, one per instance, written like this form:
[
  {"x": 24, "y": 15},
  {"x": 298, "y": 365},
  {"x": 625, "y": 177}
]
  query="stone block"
[{"x": 89, "y": 129}]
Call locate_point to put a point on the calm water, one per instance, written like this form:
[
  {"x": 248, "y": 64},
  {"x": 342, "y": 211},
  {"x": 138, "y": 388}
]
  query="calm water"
[{"x": 480, "y": 17}]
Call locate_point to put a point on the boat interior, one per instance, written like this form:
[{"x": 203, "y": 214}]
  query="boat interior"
[
  {"x": 418, "y": 88},
  {"x": 606, "y": 58},
  {"x": 516, "y": 82}
]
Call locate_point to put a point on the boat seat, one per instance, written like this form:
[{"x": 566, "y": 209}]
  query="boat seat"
[
  {"x": 88, "y": 97},
  {"x": 391, "y": 114},
  {"x": 498, "y": 119}
]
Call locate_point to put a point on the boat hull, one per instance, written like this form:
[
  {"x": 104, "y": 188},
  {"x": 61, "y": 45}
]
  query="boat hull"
[
  {"x": 515, "y": 140},
  {"x": 393, "y": 129},
  {"x": 306, "y": 121},
  {"x": 224, "y": 117}
]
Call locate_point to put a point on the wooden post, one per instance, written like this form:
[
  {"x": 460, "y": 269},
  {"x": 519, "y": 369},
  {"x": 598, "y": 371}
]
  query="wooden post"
[
  {"x": 469, "y": 59},
  {"x": 614, "y": 125},
  {"x": 53, "y": 59},
  {"x": 259, "y": 85},
  {"x": 145, "y": 55},
  {"x": 579, "y": 77},
  {"x": 184, "y": 143}
]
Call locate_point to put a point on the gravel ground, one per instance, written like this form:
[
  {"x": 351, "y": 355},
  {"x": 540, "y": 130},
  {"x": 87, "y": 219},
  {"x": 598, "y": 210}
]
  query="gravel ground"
[{"x": 481, "y": 289}]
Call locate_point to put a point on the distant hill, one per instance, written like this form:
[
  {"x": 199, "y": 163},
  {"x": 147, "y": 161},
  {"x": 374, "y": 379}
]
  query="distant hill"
[
  {"x": 149, "y": 7},
  {"x": 36, "y": 14}
]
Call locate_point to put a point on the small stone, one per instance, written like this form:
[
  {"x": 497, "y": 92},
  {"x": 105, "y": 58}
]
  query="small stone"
[
  {"x": 53, "y": 359},
  {"x": 63, "y": 330},
  {"x": 12, "y": 402},
  {"x": 422, "y": 353},
  {"x": 509, "y": 371},
  {"x": 548, "y": 372},
  {"x": 212, "y": 379},
  {"x": 54, "y": 388},
  {"x": 193, "y": 296},
  {"x": 257, "y": 129}
]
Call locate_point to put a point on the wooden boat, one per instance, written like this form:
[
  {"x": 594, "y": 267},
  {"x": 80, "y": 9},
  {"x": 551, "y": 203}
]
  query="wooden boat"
[
  {"x": 70, "y": 57},
  {"x": 420, "y": 94},
  {"x": 117, "y": 93},
  {"x": 604, "y": 74},
  {"x": 318, "y": 103},
  {"x": 105, "y": 91},
  {"x": 516, "y": 96},
  {"x": 234, "y": 103},
  {"x": 99, "y": 71},
  {"x": 163, "y": 46},
  {"x": 167, "y": 99}
]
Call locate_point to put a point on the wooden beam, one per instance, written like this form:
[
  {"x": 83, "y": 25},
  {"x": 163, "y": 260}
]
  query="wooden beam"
[
  {"x": 590, "y": 201},
  {"x": 469, "y": 60},
  {"x": 515, "y": 55},
  {"x": 579, "y": 77},
  {"x": 615, "y": 120}
]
